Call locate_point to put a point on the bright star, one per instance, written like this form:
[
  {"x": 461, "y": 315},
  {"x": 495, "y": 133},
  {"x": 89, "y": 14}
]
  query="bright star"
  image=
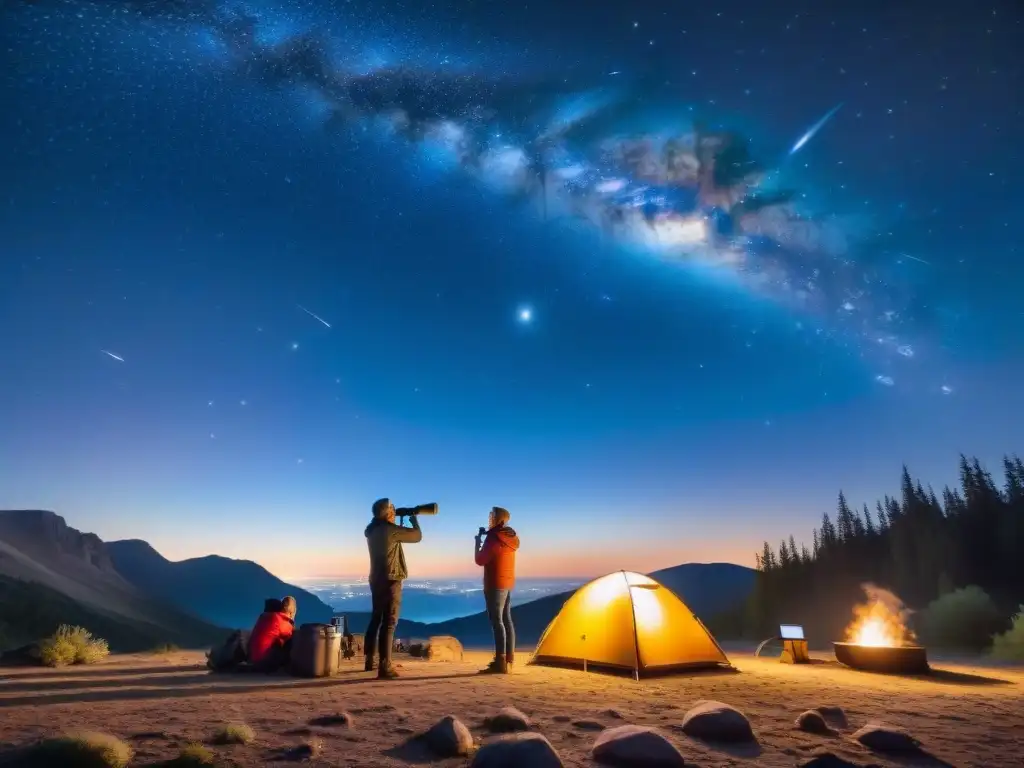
[{"x": 525, "y": 315}]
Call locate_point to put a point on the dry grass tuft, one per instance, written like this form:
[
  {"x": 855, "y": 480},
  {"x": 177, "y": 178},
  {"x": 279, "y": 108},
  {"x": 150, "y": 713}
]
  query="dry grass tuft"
[
  {"x": 234, "y": 733},
  {"x": 72, "y": 645},
  {"x": 85, "y": 749},
  {"x": 165, "y": 648},
  {"x": 194, "y": 756}
]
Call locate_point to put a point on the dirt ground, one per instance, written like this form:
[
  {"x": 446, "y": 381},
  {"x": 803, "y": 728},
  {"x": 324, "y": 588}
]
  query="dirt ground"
[{"x": 963, "y": 715}]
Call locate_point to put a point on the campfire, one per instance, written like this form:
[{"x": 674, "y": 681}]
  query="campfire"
[{"x": 878, "y": 639}]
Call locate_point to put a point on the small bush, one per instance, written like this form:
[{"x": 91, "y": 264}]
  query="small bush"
[
  {"x": 164, "y": 648},
  {"x": 1009, "y": 646},
  {"x": 194, "y": 756},
  {"x": 72, "y": 645},
  {"x": 234, "y": 733},
  {"x": 961, "y": 620},
  {"x": 85, "y": 749}
]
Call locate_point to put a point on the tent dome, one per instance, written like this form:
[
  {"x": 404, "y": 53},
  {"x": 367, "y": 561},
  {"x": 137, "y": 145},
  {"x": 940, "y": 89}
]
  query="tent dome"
[{"x": 627, "y": 620}]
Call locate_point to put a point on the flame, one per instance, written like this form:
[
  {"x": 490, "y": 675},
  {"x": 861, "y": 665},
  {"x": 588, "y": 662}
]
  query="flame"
[
  {"x": 874, "y": 632},
  {"x": 881, "y": 622}
]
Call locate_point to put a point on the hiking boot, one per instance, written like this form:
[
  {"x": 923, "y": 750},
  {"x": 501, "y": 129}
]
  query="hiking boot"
[
  {"x": 370, "y": 664},
  {"x": 497, "y": 667},
  {"x": 387, "y": 672}
]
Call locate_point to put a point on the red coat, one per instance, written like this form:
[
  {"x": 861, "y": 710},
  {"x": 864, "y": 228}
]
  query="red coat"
[
  {"x": 498, "y": 557},
  {"x": 272, "y": 628}
]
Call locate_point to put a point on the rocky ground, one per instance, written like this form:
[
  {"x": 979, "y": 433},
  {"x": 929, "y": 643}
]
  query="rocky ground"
[{"x": 765, "y": 713}]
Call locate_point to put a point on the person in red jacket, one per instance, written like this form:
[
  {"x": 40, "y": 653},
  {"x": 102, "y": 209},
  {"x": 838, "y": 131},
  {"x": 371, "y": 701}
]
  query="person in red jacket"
[
  {"x": 496, "y": 552},
  {"x": 270, "y": 642}
]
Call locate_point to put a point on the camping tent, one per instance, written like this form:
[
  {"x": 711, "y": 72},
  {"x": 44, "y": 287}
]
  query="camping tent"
[{"x": 629, "y": 621}]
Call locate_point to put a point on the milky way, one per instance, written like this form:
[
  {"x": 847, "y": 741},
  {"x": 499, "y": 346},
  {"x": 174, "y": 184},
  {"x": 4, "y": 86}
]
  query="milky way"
[{"x": 685, "y": 193}]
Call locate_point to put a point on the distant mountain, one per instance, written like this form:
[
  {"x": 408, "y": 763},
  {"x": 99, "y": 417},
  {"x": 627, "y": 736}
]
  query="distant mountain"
[
  {"x": 41, "y": 555},
  {"x": 707, "y": 588},
  {"x": 226, "y": 592}
]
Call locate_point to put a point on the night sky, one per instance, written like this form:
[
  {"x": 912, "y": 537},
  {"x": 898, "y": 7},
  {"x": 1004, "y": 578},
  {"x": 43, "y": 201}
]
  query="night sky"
[{"x": 237, "y": 305}]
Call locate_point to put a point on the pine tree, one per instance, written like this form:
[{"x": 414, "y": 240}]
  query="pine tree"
[
  {"x": 844, "y": 520},
  {"x": 829, "y": 537},
  {"x": 869, "y": 525}
]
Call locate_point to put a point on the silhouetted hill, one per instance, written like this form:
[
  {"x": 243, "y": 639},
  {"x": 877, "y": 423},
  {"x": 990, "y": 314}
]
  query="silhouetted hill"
[
  {"x": 226, "y": 592},
  {"x": 40, "y": 553},
  {"x": 707, "y": 588}
]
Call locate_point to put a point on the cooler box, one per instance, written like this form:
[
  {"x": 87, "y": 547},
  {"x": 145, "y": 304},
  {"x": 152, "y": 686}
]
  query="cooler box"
[{"x": 315, "y": 651}]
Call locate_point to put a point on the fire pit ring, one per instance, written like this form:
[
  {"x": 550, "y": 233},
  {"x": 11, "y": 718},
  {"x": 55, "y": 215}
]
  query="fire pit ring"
[{"x": 894, "y": 659}]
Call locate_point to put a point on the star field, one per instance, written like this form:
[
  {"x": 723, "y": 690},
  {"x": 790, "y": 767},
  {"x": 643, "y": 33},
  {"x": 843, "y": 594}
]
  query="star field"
[{"x": 688, "y": 268}]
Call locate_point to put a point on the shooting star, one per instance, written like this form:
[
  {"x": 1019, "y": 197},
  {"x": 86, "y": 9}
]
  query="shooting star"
[
  {"x": 111, "y": 354},
  {"x": 815, "y": 128},
  {"x": 314, "y": 316},
  {"x": 915, "y": 258}
]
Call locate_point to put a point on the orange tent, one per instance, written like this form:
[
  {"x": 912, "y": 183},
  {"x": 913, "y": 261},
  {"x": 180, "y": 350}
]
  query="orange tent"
[{"x": 628, "y": 621}]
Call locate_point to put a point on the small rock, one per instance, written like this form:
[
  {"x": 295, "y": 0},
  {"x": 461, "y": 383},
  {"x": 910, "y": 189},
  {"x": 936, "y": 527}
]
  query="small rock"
[
  {"x": 508, "y": 720},
  {"x": 811, "y": 721},
  {"x": 834, "y": 715},
  {"x": 340, "y": 720},
  {"x": 517, "y": 750},
  {"x": 449, "y": 737},
  {"x": 588, "y": 725},
  {"x": 886, "y": 738},
  {"x": 828, "y": 760},
  {"x": 443, "y": 648},
  {"x": 561, "y": 718},
  {"x": 614, "y": 714},
  {"x": 715, "y": 721},
  {"x": 306, "y": 751},
  {"x": 634, "y": 745}
]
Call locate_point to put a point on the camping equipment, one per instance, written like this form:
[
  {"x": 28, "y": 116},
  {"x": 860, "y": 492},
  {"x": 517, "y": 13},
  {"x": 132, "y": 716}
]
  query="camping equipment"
[{"x": 316, "y": 649}]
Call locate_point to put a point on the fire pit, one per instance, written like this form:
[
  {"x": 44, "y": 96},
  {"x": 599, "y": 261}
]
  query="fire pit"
[
  {"x": 898, "y": 659},
  {"x": 879, "y": 641}
]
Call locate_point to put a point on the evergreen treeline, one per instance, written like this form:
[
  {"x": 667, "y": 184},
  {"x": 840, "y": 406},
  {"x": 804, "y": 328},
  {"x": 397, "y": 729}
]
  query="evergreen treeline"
[{"x": 919, "y": 545}]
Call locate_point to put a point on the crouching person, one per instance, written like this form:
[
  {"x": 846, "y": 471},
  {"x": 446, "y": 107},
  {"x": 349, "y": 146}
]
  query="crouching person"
[{"x": 270, "y": 644}]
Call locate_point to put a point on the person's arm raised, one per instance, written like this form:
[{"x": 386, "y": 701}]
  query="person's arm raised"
[{"x": 410, "y": 535}]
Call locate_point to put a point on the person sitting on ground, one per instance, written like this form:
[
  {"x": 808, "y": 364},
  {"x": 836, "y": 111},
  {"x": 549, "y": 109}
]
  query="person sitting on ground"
[
  {"x": 496, "y": 552},
  {"x": 270, "y": 644}
]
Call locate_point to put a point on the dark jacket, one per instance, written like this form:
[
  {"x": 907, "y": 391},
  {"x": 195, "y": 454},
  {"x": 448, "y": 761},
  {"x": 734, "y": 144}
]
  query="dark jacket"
[
  {"x": 498, "y": 557},
  {"x": 385, "y": 540}
]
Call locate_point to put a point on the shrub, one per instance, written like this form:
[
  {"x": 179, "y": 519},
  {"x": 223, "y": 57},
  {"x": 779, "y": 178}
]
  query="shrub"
[
  {"x": 234, "y": 733},
  {"x": 72, "y": 645},
  {"x": 85, "y": 749},
  {"x": 1009, "y": 645},
  {"x": 194, "y": 756},
  {"x": 164, "y": 648},
  {"x": 963, "y": 620}
]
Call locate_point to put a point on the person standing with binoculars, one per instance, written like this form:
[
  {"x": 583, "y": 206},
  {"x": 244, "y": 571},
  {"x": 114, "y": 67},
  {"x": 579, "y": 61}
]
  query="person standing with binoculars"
[
  {"x": 384, "y": 539},
  {"x": 496, "y": 551}
]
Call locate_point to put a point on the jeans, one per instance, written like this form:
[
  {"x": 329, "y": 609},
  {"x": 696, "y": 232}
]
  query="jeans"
[
  {"x": 499, "y": 610},
  {"x": 387, "y": 601}
]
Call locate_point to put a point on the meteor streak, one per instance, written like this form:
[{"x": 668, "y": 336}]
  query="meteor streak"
[
  {"x": 815, "y": 128},
  {"x": 111, "y": 354},
  {"x": 314, "y": 316}
]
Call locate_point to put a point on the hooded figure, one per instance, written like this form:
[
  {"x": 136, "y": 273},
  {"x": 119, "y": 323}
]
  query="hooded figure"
[{"x": 496, "y": 552}]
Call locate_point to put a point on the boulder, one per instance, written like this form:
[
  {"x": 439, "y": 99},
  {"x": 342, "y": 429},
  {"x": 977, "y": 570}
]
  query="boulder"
[
  {"x": 633, "y": 745},
  {"x": 811, "y": 721},
  {"x": 449, "y": 737},
  {"x": 443, "y": 648},
  {"x": 508, "y": 720},
  {"x": 516, "y": 751},
  {"x": 887, "y": 738},
  {"x": 717, "y": 722}
]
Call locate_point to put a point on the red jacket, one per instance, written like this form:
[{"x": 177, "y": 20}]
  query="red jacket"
[
  {"x": 272, "y": 628},
  {"x": 498, "y": 557}
]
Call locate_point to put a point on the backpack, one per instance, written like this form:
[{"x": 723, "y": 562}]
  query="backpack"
[{"x": 230, "y": 654}]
